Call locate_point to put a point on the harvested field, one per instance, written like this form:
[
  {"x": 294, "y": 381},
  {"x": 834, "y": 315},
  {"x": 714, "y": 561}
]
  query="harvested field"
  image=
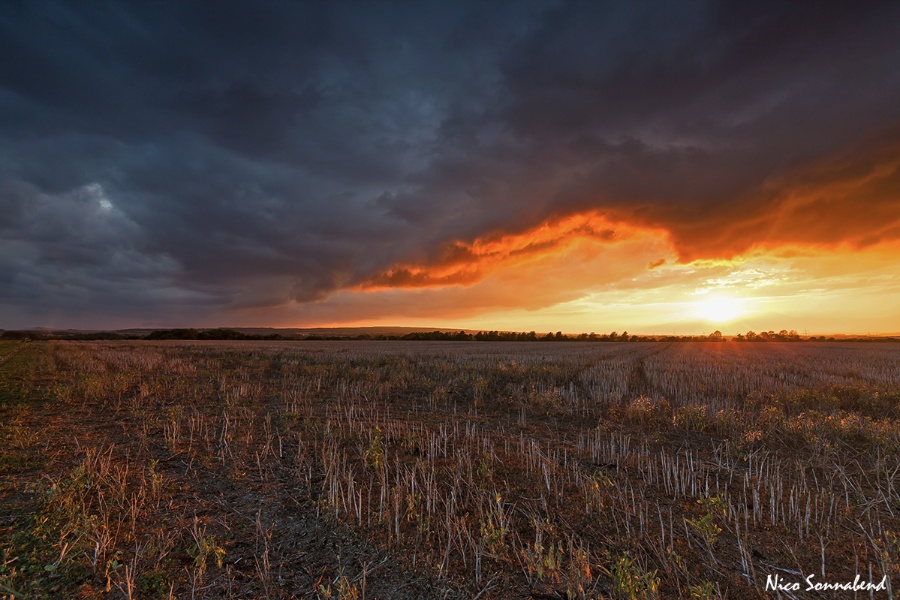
[{"x": 447, "y": 470}]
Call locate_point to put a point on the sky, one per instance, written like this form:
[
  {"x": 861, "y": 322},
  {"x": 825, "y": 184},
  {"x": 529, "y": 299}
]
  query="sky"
[{"x": 655, "y": 167}]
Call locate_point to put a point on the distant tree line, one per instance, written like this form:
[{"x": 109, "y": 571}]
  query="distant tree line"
[
  {"x": 514, "y": 336},
  {"x": 44, "y": 334},
  {"x": 23, "y": 335},
  {"x": 531, "y": 336},
  {"x": 770, "y": 336},
  {"x": 209, "y": 334},
  {"x": 444, "y": 336}
]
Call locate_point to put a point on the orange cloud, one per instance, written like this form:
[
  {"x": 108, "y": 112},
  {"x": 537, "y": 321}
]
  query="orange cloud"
[
  {"x": 403, "y": 277},
  {"x": 845, "y": 201},
  {"x": 851, "y": 198},
  {"x": 465, "y": 263},
  {"x": 520, "y": 291}
]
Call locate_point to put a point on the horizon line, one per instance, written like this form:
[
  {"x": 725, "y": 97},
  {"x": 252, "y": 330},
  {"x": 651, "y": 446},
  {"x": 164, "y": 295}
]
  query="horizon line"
[{"x": 426, "y": 329}]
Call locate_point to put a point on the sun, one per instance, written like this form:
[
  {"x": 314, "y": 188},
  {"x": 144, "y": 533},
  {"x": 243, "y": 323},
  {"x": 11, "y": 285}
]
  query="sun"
[{"x": 720, "y": 309}]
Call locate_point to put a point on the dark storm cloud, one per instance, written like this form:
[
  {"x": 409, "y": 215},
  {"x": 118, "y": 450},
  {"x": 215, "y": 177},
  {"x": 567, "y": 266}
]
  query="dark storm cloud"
[
  {"x": 678, "y": 116},
  {"x": 686, "y": 108},
  {"x": 175, "y": 161}
]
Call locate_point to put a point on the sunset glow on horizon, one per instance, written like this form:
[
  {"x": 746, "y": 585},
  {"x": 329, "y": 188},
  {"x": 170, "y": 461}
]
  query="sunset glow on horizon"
[
  {"x": 592, "y": 284},
  {"x": 547, "y": 166},
  {"x": 720, "y": 309}
]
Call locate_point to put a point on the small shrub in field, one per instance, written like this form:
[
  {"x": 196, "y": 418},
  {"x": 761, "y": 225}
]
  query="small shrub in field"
[
  {"x": 703, "y": 591},
  {"x": 690, "y": 418},
  {"x": 374, "y": 454},
  {"x": 631, "y": 582},
  {"x": 706, "y": 525}
]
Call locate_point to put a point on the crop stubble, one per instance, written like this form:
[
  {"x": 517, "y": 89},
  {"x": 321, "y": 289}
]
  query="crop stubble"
[{"x": 431, "y": 469}]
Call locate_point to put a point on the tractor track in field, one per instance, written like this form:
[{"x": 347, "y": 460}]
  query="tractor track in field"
[{"x": 12, "y": 354}]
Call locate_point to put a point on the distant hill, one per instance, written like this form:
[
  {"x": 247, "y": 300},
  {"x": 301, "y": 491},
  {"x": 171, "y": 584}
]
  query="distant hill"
[
  {"x": 291, "y": 332},
  {"x": 344, "y": 331}
]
